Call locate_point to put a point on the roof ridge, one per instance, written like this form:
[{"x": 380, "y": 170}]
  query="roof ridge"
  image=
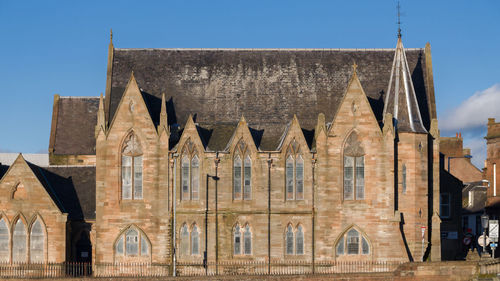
[{"x": 266, "y": 49}]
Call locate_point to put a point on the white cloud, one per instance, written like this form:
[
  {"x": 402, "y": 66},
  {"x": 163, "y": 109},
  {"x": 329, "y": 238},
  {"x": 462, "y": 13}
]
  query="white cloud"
[
  {"x": 473, "y": 112},
  {"x": 477, "y": 144}
]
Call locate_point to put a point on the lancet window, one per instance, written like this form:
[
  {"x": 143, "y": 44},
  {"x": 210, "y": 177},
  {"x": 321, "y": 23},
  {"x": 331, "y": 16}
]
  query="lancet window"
[
  {"x": 242, "y": 240},
  {"x": 37, "y": 242},
  {"x": 294, "y": 240},
  {"x": 190, "y": 240},
  {"x": 19, "y": 242},
  {"x": 133, "y": 243},
  {"x": 294, "y": 172},
  {"x": 352, "y": 242},
  {"x": 354, "y": 169},
  {"x": 4, "y": 241},
  {"x": 190, "y": 173},
  {"x": 242, "y": 172},
  {"x": 132, "y": 168}
]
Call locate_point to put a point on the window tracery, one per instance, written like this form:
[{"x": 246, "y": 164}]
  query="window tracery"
[
  {"x": 242, "y": 172},
  {"x": 190, "y": 172},
  {"x": 354, "y": 169},
  {"x": 132, "y": 168},
  {"x": 242, "y": 240},
  {"x": 294, "y": 172},
  {"x": 132, "y": 243},
  {"x": 352, "y": 242}
]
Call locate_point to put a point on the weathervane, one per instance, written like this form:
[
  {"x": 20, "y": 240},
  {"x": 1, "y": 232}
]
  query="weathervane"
[{"x": 399, "y": 20}]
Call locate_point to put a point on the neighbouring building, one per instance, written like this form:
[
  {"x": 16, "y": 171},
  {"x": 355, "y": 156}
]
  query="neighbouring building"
[
  {"x": 491, "y": 169},
  {"x": 288, "y": 155}
]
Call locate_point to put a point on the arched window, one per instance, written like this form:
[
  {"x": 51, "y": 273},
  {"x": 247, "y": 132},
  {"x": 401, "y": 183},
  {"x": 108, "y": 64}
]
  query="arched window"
[
  {"x": 185, "y": 178},
  {"x": 237, "y": 177},
  {"x": 4, "y": 241},
  {"x": 190, "y": 173},
  {"x": 242, "y": 172},
  {"x": 352, "y": 242},
  {"x": 19, "y": 252},
  {"x": 184, "y": 240},
  {"x": 132, "y": 243},
  {"x": 237, "y": 240},
  {"x": 131, "y": 168},
  {"x": 354, "y": 169},
  {"x": 299, "y": 241},
  {"x": 247, "y": 236},
  {"x": 294, "y": 173},
  {"x": 195, "y": 241},
  {"x": 289, "y": 240},
  {"x": 195, "y": 177},
  {"x": 37, "y": 241},
  {"x": 247, "y": 188},
  {"x": 289, "y": 177}
]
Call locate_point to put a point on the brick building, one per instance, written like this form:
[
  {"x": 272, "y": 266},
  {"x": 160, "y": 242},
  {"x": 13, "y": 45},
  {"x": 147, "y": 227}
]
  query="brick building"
[{"x": 255, "y": 155}]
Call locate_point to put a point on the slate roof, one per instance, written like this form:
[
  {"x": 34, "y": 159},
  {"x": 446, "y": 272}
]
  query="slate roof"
[
  {"x": 72, "y": 188},
  {"x": 267, "y": 86},
  {"x": 74, "y": 125}
]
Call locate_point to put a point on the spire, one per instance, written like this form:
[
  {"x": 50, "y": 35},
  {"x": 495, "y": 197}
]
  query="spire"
[{"x": 401, "y": 100}]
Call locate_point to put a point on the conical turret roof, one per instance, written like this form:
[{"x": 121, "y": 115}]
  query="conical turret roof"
[{"x": 401, "y": 100}]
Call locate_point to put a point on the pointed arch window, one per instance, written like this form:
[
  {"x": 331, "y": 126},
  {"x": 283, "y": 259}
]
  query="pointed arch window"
[
  {"x": 132, "y": 168},
  {"x": 294, "y": 240},
  {"x": 247, "y": 236},
  {"x": 289, "y": 240},
  {"x": 352, "y": 242},
  {"x": 242, "y": 172},
  {"x": 195, "y": 241},
  {"x": 4, "y": 241},
  {"x": 19, "y": 242},
  {"x": 184, "y": 240},
  {"x": 190, "y": 173},
  {"x": 237, "y": 240},
  {"x": 294, "y": 173},
  {"x": 354, "y": 169},
  {"x": 37, "y": 242},
  {"x": 133, "y": 243}
]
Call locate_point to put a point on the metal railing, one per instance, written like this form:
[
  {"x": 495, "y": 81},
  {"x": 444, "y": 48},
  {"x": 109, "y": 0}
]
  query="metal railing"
[
  {"x": 233, "y": 267},
  {"x": 45, "y": 270}
]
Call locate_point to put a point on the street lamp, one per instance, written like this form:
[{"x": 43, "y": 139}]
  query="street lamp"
[
  {"x": 467, "y": 156},
  {"x": 484, "y": 222}
]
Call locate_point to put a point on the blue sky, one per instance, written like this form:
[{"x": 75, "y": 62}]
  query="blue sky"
[{"x": 50, "y": 47}]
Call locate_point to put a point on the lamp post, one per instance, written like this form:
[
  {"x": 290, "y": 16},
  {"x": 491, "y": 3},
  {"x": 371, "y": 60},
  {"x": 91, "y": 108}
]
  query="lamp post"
[
  {"x": 484, "y": 222},
  {"x": 467, "y": 156}
]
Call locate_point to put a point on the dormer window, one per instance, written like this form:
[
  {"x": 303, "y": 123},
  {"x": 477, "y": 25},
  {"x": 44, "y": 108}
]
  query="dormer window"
[{"x": 131, "y": 168}]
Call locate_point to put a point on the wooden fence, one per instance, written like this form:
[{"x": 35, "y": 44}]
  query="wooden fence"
[{"x": 69, "y": 270}]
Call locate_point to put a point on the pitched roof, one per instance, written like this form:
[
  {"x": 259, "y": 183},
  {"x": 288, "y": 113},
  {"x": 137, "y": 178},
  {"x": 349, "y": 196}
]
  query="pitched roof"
[
  {"x": 267, "y": 86},
  {"x": 73, "y": 125},
  {"x": 72, "y": 188}
]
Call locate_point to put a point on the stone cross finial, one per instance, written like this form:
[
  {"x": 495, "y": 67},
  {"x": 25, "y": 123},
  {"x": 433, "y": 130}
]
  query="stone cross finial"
[{"x": 354, "y": 67}]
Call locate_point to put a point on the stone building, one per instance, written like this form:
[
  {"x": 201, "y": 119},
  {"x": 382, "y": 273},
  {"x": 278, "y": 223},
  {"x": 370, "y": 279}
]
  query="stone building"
[
  {"x": 258, "y": 155},
  {"x": 491, "y": 168}
]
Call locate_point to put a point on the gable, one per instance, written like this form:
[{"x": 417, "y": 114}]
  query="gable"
[{"x": 23, "y": 184}]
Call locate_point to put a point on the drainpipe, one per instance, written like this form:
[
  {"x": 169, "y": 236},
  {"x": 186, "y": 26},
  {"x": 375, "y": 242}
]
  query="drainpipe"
[
  {"x": 269, "y": 164},
  {"x": 217, "y": 160},
  {"x": 175, "y": 155},
  {"x": 313, "y": 214}
]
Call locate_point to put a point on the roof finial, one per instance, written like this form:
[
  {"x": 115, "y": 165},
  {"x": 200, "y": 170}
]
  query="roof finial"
[
  {"x": 111, "y": 35},
  {"x": 354, "y": 67},
  {"x": 399, "y": 20}
]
